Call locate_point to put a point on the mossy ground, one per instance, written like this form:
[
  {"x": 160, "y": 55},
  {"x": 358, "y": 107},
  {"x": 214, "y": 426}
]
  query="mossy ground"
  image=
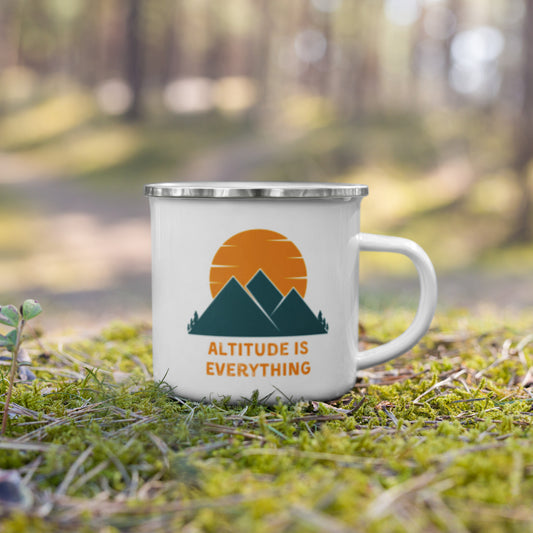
[{"x": 439, "y": 440}]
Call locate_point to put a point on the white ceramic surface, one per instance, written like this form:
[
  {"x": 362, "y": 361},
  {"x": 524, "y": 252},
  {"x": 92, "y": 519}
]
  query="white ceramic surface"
[{"x": 259, "y": 338}]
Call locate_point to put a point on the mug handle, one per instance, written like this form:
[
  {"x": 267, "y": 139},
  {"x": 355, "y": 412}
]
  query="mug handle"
[{"x": 426, "y": 306}]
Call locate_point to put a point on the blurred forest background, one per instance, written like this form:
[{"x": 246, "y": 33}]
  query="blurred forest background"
[{"x": 429, "y": 102}]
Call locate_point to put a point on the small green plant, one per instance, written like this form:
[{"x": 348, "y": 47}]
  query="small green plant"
[{"x": 16, "y": 319}]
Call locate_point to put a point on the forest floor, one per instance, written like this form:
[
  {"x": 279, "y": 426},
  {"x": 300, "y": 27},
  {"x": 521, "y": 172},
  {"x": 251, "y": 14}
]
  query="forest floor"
[{"x": 438, "y": 440}]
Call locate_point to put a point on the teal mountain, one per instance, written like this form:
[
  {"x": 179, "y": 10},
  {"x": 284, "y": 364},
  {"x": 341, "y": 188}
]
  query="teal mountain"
[
  {"x": 262, "y": 311},
  {"x": 293, "y": 317},
  {"x": 264, "y": 291}
]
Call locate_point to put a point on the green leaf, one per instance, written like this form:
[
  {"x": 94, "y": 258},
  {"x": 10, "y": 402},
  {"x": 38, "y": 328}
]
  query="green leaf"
[
  {"x": 9, "y": 341},
  {"x": 30, "y": 309},
  {"x": 9, "y": 315}
]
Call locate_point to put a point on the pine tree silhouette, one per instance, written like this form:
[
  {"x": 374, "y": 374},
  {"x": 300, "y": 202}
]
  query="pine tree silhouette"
[
  {"x": 322, "y": 321},
  {"x": 193, "y": 322}
]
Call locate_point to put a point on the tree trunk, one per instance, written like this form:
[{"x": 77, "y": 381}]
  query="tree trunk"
[
  {"x": 327, "y": 62},
  {"x": 524, "y": 132},
  {"x": 171, "y": 50},
  {"x": 260, "y": 67},
  {"x": 451, "y": 96},
  {"x": 134, "y": 58}
]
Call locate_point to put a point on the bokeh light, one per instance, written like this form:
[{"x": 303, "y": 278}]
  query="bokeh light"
[
  {"x": 480, "y": 81},
  {"x": 474, "y": 54},
  {"x": 189, "y": 95},
  {"x": 478, "y": 45},
  {"x": 234, "y": 94},
  {"x": 310, "y": 45},
  {"x": 402, "y": 12},
  {"x": 114, "y": 96}
]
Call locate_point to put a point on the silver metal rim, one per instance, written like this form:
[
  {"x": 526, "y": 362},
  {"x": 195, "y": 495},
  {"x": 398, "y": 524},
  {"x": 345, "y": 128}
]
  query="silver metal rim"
[{"x": 255, "y": 190}]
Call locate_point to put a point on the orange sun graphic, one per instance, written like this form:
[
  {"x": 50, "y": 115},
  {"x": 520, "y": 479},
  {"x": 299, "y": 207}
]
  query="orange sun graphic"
[{"x": 242, "y": 255}]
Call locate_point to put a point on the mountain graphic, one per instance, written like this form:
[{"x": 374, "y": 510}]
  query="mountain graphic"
[
  {"x": 261, "y": 312},
  {"x": 264, "y": 291},
  {"x": 233, "y": 313},
  {"x": 293, "y": 316}
]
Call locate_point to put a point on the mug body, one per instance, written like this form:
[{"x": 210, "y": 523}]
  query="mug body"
[{"x": 254, "y": 292}]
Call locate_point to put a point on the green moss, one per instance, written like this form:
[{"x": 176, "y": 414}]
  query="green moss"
[{"x": 436, "y": 438}]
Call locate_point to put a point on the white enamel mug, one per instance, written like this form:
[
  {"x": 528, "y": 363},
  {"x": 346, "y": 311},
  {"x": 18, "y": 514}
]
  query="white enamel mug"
[{"x": 255, "y": 288}]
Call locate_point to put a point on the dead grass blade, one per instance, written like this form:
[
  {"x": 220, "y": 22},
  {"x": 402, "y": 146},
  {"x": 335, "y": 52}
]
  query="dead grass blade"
[
  {"x": 9, "y": 444},
  {"x": 217, "y": 428},
  {"x": 446, "y": 381},
  {"x": 67, "y": 480},
  {"x": 385, "y": 502}
]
